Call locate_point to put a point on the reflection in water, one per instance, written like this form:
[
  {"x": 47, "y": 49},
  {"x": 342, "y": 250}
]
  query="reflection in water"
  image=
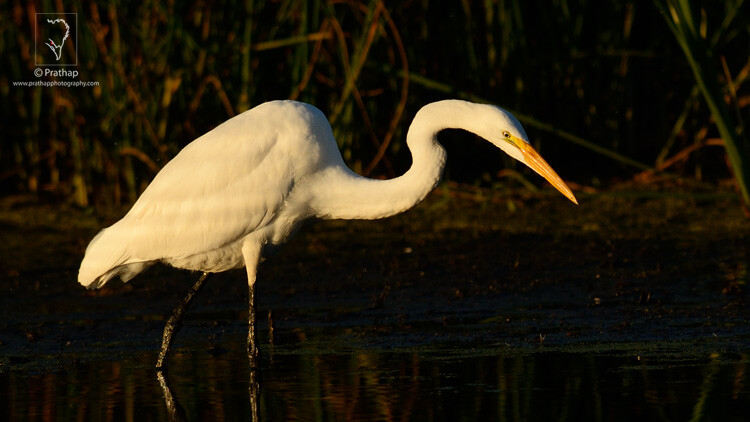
[
  {"x": 388, "y": 386},
  {"x": 253, "y": 392},
  {"x": 175, "y": 411}
]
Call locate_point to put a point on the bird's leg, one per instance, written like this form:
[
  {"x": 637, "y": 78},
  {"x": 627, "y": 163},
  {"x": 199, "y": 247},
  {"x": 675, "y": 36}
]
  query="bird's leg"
[
  {"x": 251, "y": 250},
  {"x": 252, "y": 347},
  {"x": 175, "y": 321}
]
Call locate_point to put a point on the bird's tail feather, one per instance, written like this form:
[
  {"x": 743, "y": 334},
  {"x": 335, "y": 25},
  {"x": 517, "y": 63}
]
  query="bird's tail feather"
[{"x": 107, "y": 257}]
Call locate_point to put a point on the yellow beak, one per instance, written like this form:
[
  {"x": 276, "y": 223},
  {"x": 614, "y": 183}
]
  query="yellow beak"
[{"x": 537, "y": 163}]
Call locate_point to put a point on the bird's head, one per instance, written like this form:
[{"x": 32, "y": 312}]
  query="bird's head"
[{"x": 505, "y": 131}]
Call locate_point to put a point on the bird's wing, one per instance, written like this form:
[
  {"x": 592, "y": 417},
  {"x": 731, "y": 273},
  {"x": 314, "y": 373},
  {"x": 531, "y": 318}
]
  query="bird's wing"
[
  {"x": 221, "y": 187},
  {"x": 210, "y": 195}
]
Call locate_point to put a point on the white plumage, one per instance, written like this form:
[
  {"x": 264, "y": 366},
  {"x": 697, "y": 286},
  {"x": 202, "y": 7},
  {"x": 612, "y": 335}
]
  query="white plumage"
[
  {"x": 252, "y": 180},
  {"x": 233, "y": 182}
]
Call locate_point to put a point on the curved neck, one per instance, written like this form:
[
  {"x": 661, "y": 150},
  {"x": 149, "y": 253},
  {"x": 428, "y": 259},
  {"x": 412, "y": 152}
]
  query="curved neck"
[{"x": 343, "y": 194}]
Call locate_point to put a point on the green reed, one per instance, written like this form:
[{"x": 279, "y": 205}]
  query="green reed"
[
  {"x": 689, "y": 26},
  {"x": 598, "y": 84}
]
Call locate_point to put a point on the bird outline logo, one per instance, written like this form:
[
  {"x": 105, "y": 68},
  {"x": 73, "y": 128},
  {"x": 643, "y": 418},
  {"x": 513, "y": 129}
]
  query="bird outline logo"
[
  {"x": 57, "y": 49},
  {"x": 55, "y": 32}
]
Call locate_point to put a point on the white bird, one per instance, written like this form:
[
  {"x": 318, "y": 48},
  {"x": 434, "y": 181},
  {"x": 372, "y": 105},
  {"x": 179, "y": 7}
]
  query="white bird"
[{"x": 245, "y": 187}]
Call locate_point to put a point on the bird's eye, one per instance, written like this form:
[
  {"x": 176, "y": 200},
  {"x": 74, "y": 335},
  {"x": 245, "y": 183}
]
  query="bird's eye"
[{"x": 506, "y": 134}]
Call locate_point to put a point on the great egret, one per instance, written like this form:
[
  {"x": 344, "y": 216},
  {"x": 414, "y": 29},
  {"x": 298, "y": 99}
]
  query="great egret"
[{"x": 247, "y": 185}]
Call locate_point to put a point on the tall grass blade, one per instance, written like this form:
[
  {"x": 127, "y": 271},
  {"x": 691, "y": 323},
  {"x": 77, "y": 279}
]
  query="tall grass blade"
[{"x": 679, "y": 15}]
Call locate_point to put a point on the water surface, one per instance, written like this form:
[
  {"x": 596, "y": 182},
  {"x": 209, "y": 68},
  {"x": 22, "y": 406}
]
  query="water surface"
[{"x": 626, "y": 307}]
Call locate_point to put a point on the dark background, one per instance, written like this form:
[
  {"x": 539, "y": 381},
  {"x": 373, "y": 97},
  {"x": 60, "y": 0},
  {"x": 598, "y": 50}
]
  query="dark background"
[{"x": 603, "y": 88}]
